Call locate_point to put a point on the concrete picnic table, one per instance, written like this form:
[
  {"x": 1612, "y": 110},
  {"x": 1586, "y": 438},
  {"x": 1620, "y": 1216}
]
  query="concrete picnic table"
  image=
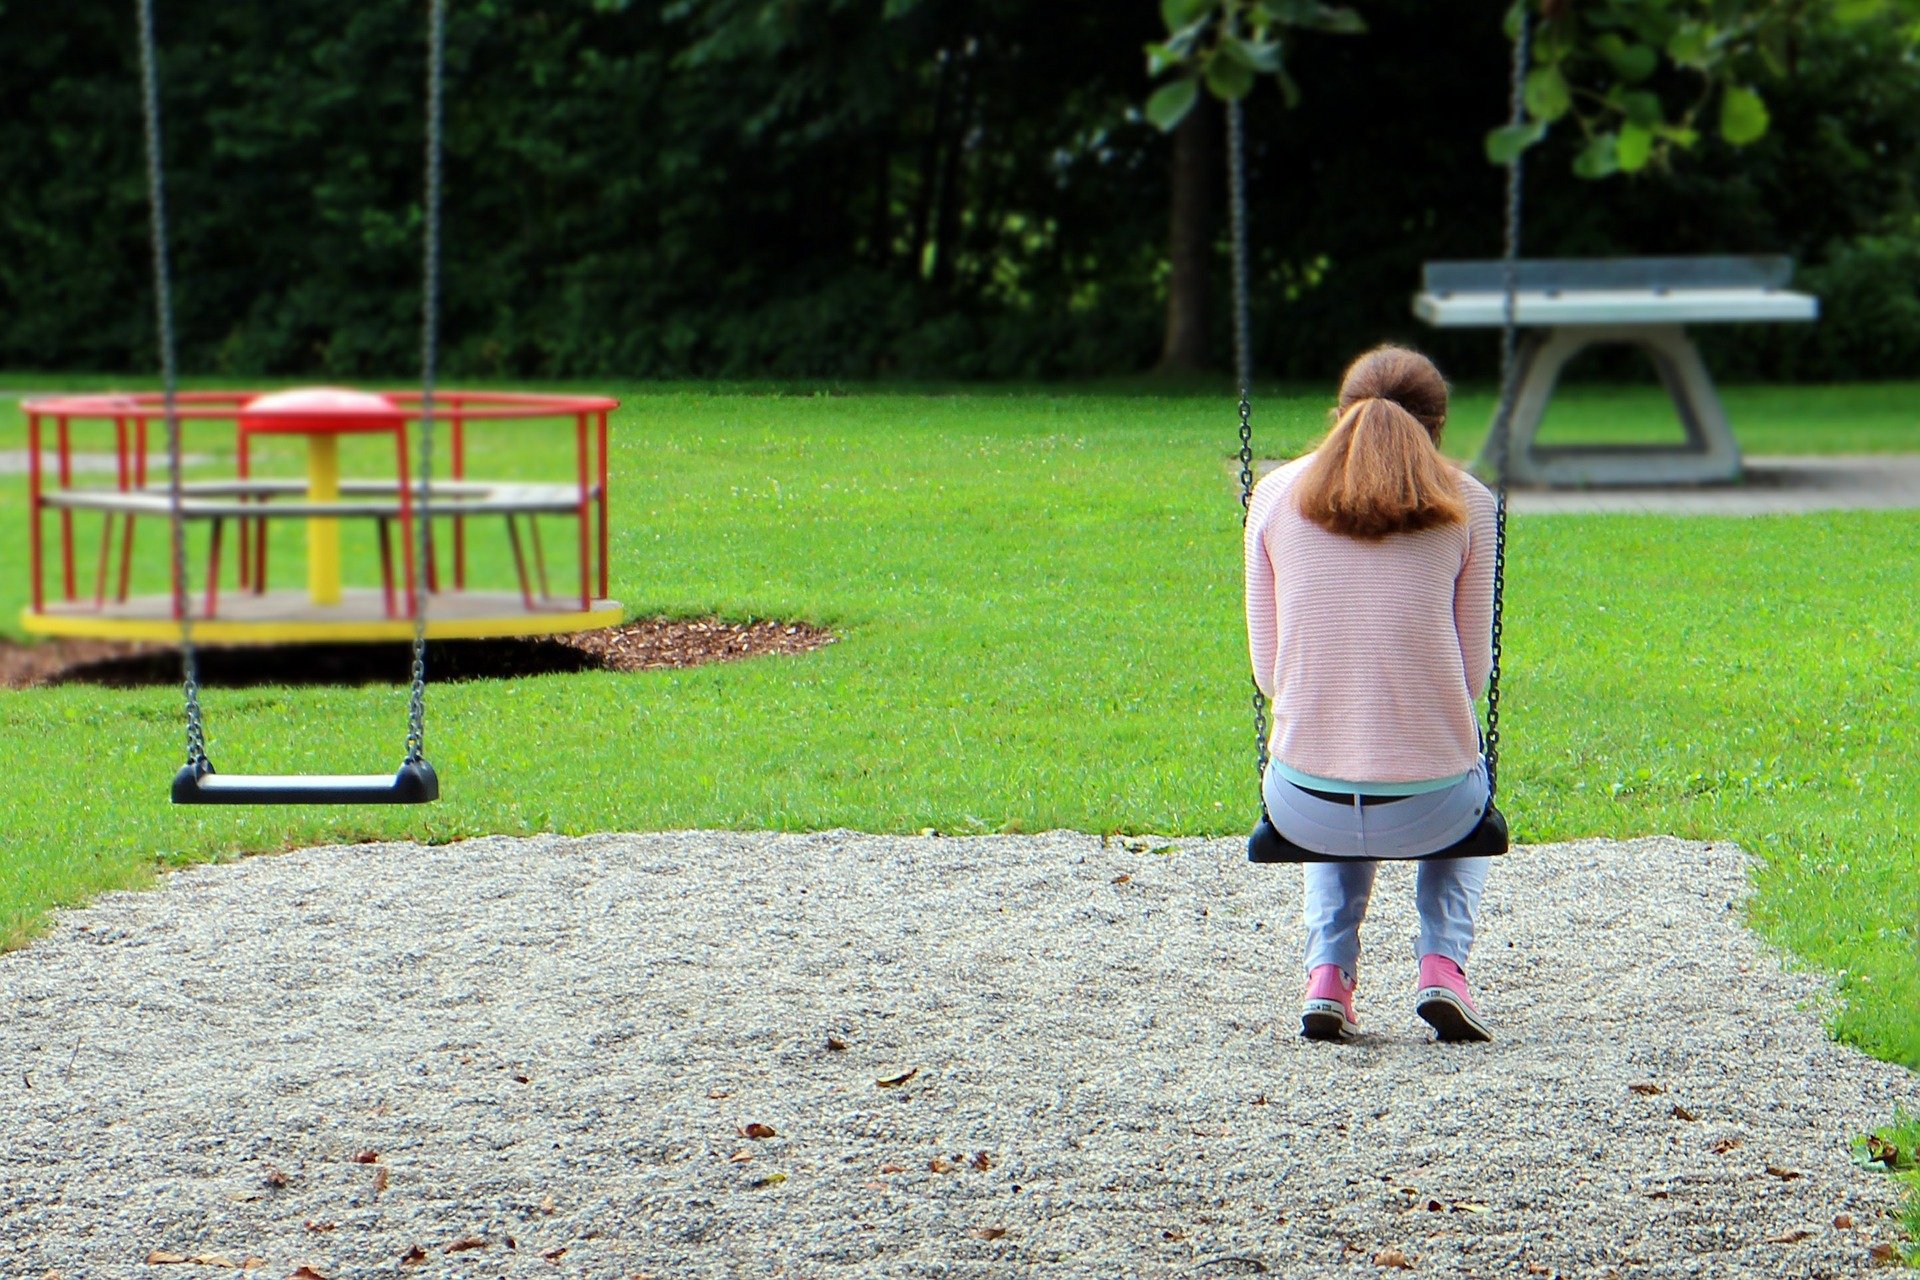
[{"x": 1565, "y": 305}]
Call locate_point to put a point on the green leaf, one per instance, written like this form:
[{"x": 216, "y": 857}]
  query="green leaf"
[
  {"x": 1849, "y": 12},
  {"x": 1690, "y": 44},
  {"x": 1170, "y": 103},
  {"x": 1160, "y": 57},
  {"x": 1180, "y": 13},
  {"x": 1289, "y": 87},
  {"x": 1635, "y": 148},
  {"x": 1642, "y": 108},
  {"x": 1262, "y": 55},
  {"x": 1228, "y": 73},
  {"x": 1338, "y": 20},
  {"x": 1679, "y": 135},
  {"x": 1631, "y": 62},
  {"x": 1743, "y": 115},
  {"x": 1505, "y": 144},
  {"x": 1600, "y": 158},
  {"x": 1548, "y": 97},
  {"x": 1510, "y": 25}
]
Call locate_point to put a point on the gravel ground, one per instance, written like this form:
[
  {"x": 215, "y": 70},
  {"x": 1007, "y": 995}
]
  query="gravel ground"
[{"x": 555, "y": 1053}]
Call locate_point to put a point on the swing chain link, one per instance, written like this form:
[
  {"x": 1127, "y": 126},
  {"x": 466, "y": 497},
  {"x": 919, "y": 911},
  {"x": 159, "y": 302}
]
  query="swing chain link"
[
  {"x": 1243, "y": 360},
  {"x": 422, "y": 550},
  {"x": 169, "y": 380},
  {"x": 1509, "y": 391},
  {"x": 163, "y": 310}
]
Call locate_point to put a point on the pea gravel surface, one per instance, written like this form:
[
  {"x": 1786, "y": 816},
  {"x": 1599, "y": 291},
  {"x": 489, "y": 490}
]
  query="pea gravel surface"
[{"x": 707, "y": 1054}]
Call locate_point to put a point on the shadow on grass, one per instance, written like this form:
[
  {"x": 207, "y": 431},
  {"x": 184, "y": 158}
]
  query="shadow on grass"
[{"x": 651, "y": 644}]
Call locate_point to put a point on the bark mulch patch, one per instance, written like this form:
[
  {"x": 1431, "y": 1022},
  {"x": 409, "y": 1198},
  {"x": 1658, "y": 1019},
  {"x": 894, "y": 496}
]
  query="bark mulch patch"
[{"x": 648, "y": 645}]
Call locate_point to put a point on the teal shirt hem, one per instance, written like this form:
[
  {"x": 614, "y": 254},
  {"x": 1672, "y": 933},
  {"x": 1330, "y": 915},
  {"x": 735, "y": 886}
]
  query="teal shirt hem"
[{"x": 1300, "y": 779}]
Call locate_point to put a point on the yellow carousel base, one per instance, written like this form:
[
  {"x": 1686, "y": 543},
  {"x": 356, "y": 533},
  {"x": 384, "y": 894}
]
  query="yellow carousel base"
[{"x": 290, "y": 617}]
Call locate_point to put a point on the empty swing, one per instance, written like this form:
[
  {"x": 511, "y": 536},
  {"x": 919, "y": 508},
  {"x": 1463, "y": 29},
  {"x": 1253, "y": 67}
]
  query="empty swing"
[
  {"x": 414, "y": 782},
  {"x": 1490, "y": 837}
]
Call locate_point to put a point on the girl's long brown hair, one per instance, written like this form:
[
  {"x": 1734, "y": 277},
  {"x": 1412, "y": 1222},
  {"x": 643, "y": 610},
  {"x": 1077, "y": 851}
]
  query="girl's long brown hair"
[{"x": 1379, "y": 471}]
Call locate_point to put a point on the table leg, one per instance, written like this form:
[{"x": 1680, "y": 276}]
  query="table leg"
[{"x": 323, "y": 532}]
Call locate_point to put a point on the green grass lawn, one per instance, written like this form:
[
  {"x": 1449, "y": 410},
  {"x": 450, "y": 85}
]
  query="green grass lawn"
[{"x": 1039, "y": 594}]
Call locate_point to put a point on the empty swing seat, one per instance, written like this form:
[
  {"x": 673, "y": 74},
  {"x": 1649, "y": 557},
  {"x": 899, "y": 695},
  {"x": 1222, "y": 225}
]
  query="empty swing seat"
[
  {"x": 412, "y": 783},
  {"x": 1486, "y": 840}
]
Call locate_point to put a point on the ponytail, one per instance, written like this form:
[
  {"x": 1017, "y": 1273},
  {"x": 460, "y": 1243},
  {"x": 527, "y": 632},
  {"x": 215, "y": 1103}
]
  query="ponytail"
[{"x": 1379, "y": 471}]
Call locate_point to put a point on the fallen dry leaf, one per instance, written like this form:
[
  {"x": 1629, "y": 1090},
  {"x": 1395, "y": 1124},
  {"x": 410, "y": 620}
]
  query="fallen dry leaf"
[
  {"x": 1879, "y": 1149},
  {"x": 1536, "y": 1269},
  {"x": 317, "y": 1227},
  {"x": 519, "y": 1079},
  {"x": 742, "y": 1156},
  {"x": 1681, "y": 1113},
  {"x": 1884, "y": 1254},
  {"x": 1789, "y": 1237},
  {"x": 1647, "y": 1090},
  {"x": 836, "y": 1044},
  {"x": 1843, "y": 1221},
  {"x": 252, "y": 1264},
  {"x": 219, "y": 1260},
  {"x": 1725, "y": 1145},
  {"x": 757, "y": 1131},
  {"x": 982, "y": 1162},
  {"x": 304, "y": 1272},
  {"x": 940, "y": 1164},
  {"x": 379, "y": 1179},
  {"x": 1434, "y": 1206},
  {"x": 275, "y": 1178},
  {"x": 465, "y": 1244},
  {"x": 554, "y": 1254},
  {"x": 1121, "y": 879},
  {"x": 1175, "y": 1234},
  {"x": 1259, "y": 1101},
  {"x": 719, "y": 1093},
  {"x": 1469, "y": 1206},
  {"x": 893, "y": 1168},
  {"x": 1392, "y": 1258},
  {"x": 367, "y": 1157},
  {"x": 161, "y": 1258},
  {"x": 890, "y": 1082},
  {"x": 413, "y": 1257},
  {"x": 1785, "y": 1175},
  {"x": 546, "y": 1204},
  {"x": 987, "y": 1233}
]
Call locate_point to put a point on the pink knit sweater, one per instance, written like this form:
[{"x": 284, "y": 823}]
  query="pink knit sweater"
[{"x": 1372, "y": 652}]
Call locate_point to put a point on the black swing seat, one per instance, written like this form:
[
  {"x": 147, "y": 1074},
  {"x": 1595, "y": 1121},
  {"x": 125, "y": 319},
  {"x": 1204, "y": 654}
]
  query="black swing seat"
[
  {"x": 412, "y": 783},
  {"x": 1487, "y": 840}
]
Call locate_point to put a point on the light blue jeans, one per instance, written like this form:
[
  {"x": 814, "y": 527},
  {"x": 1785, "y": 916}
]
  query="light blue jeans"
[{"x": 1447, "y": 890}]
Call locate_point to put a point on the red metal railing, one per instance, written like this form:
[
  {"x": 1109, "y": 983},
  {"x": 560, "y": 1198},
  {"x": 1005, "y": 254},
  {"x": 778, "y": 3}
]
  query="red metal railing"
[{"x": 129, "y": 416}]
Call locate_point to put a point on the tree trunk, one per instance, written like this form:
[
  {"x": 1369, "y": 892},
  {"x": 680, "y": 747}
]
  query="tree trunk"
[
  {"x": 1190, "y": 240},
  {"x": 946, "y": 220}
]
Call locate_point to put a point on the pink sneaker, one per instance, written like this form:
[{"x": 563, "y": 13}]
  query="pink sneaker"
[
  {"x": 1442, "y": 1000},
  {"x": 1327, "y": 1013}
]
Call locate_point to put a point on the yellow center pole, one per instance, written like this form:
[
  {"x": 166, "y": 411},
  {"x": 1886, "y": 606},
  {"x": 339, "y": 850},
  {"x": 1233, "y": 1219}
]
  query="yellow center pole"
[{"x": 323, "y": 532}]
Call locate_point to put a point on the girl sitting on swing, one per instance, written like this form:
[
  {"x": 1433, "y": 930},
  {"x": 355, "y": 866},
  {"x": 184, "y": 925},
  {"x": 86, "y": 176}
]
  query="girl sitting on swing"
[{"x": 1369, "y": 615}]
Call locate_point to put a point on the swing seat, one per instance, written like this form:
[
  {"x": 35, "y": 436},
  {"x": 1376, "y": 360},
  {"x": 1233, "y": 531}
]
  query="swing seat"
[
  {"x": 413, "y": 783},
  {"x": 1487, "y": 840}
]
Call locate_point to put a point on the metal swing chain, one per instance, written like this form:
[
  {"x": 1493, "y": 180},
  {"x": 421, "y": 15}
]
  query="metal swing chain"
[
  {"x": 1243, "y": 359},
  {"x": 1509, "y": 388},
  {"x": 169, "y": 379},
  {"x": 429, "y": 348}
]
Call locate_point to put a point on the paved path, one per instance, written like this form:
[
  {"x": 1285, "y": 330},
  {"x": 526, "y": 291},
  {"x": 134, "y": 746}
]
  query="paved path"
[
  {"x": 1013, "y": 1056},
  {"x": 1773, "y": 486}
]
